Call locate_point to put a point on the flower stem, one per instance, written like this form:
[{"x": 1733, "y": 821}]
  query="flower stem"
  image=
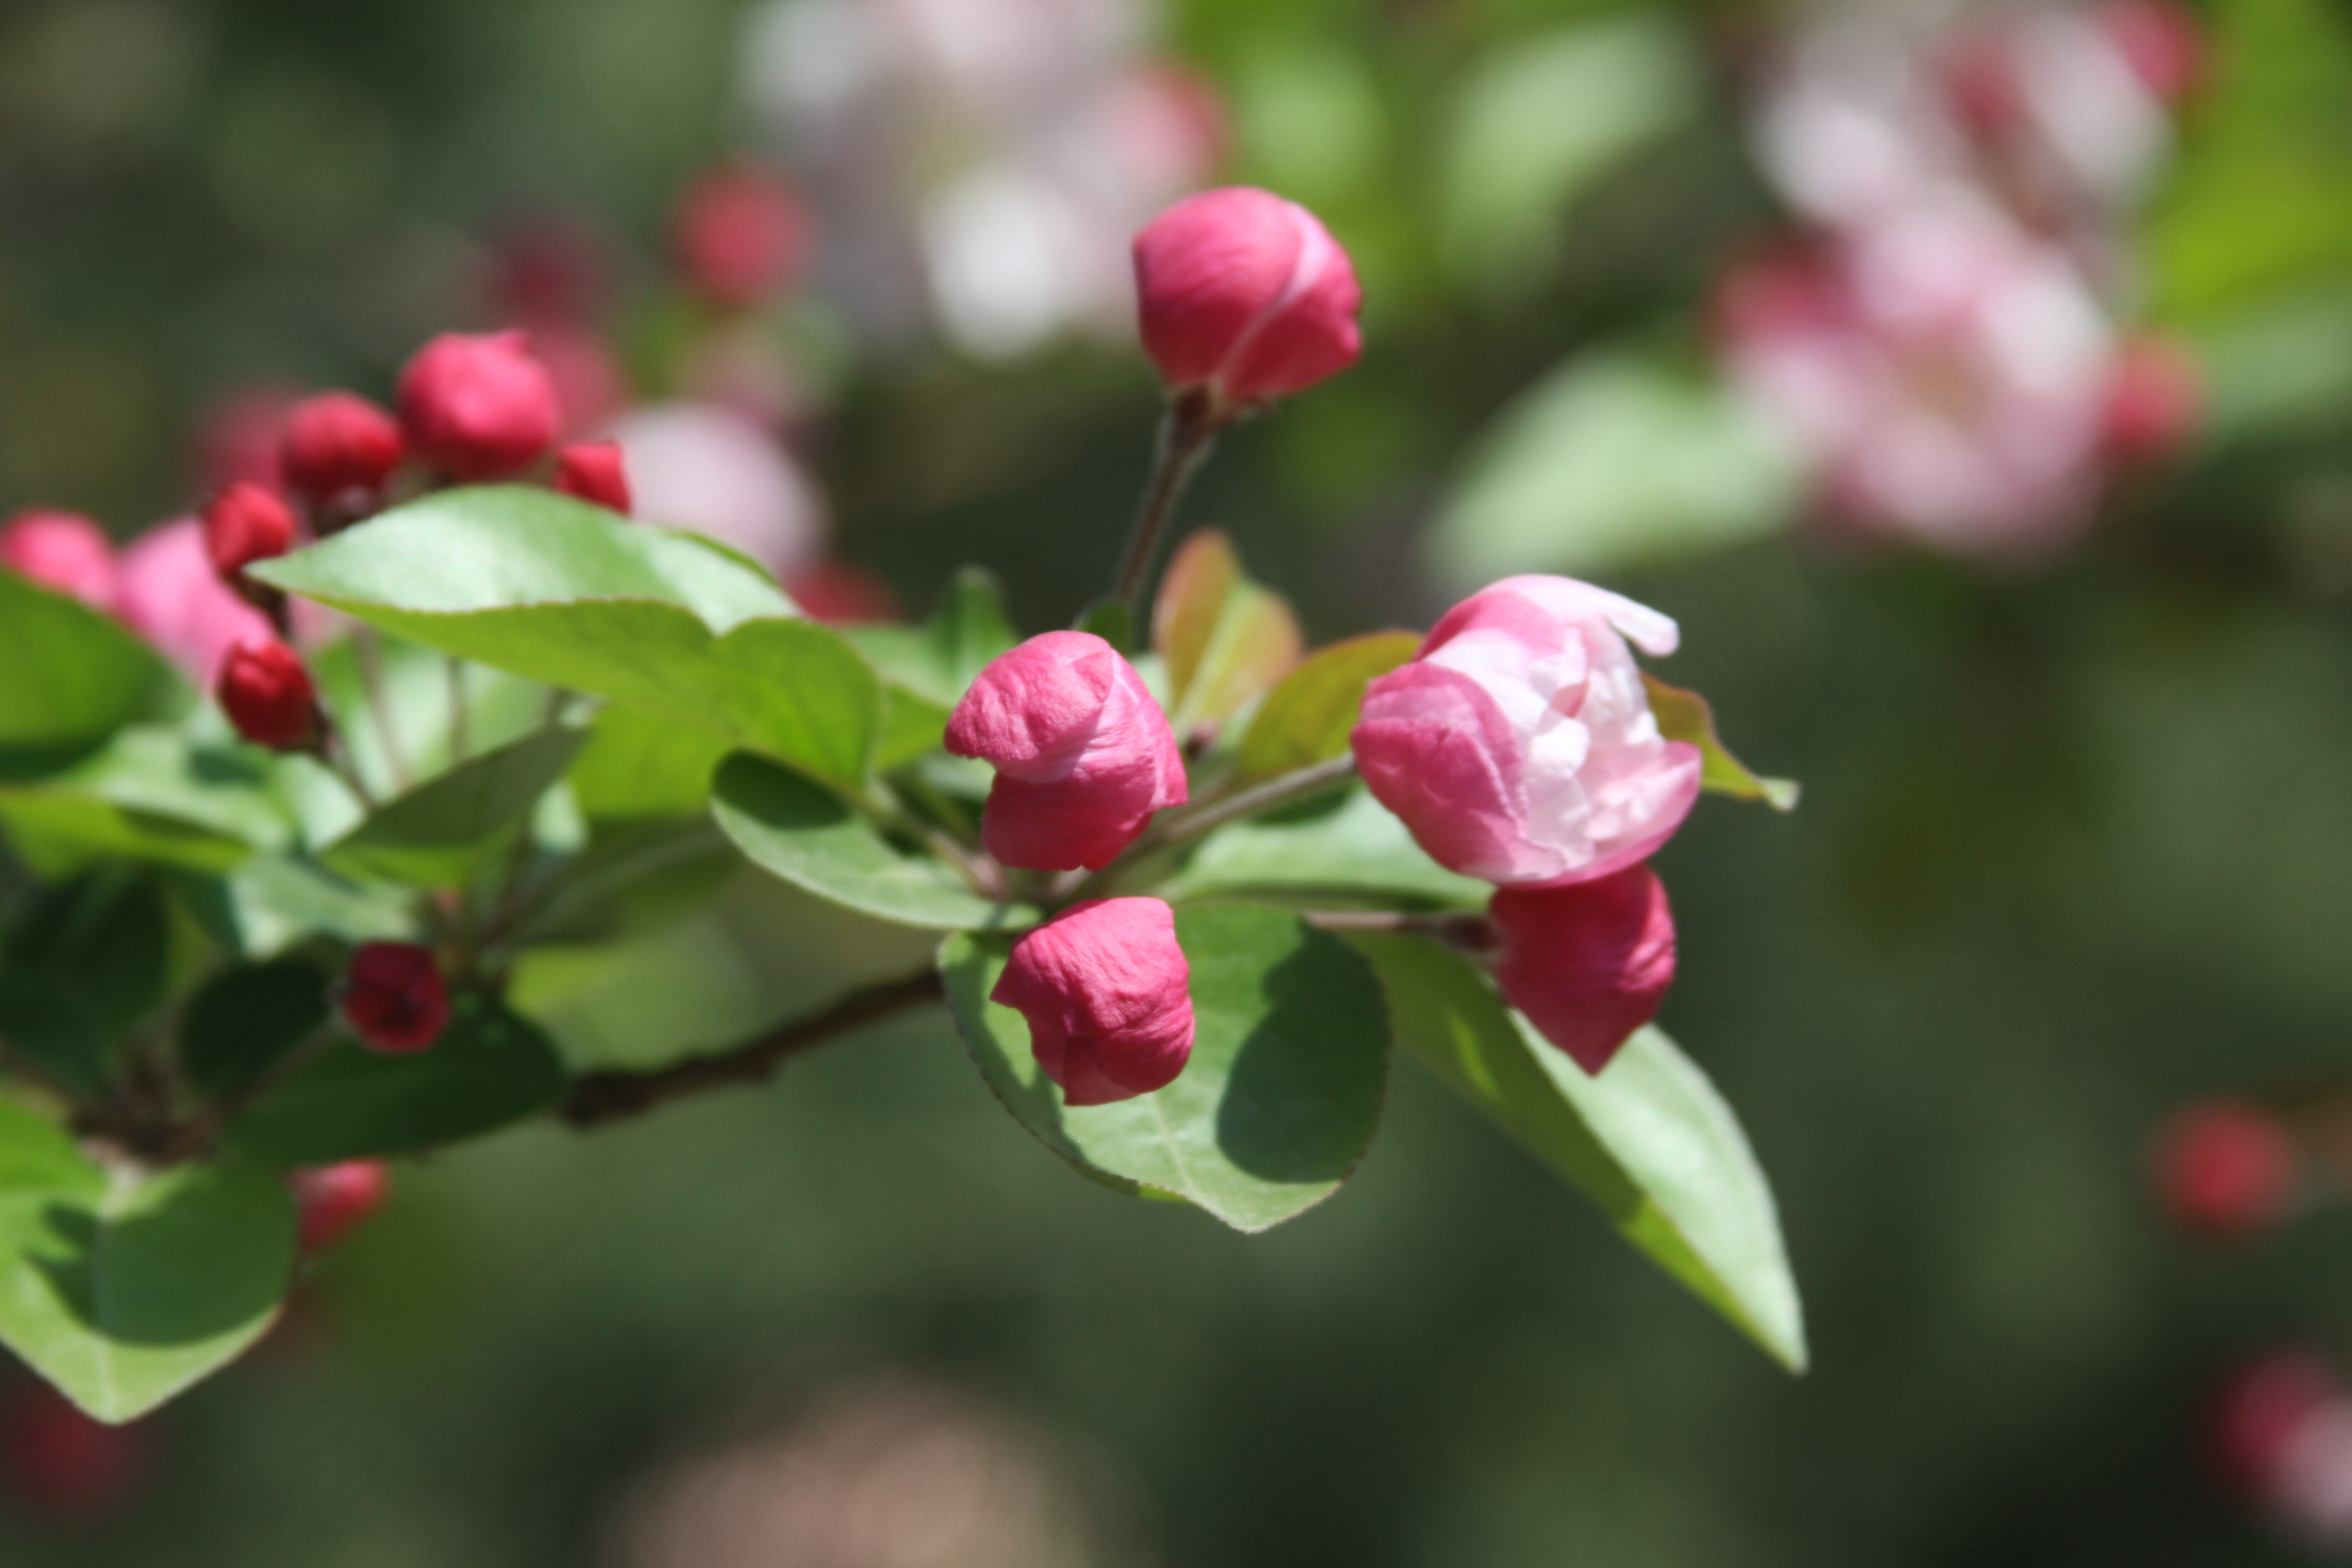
[
  {"x": 1275, "y": 792},
  {"x": 1186, "y": 435}
]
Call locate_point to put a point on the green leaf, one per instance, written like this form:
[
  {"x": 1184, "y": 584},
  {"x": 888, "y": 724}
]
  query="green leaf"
[
  {"x": 1307, "y": 719},
  {"x": 1349, "y": 845},
  {"x": 153, "y": 793},
  {"x": 926, "y": 669},
  {"x": 1685, "y": 716},
  {"x": 810, "y": 837},
  {"x": 105, "y": 940},
  {"x": 123, "y": 1289},
  {"x": 75, "y": 676},
  {"x": 557, "y": 591},
  {"x": 1111, "y": 621},
  {"x": 638, "y": 765},
  {"x": 1649, "y": 1140},
  {"x": 1278, "y": 1103},
  {"x": 245, "y": 1020},
  {"x": 415, "y": 684},
  {"x": 488, "y": 1068},
  {"x": 1613, "y": 461},
  {"x": 1225, "y": 639},
  {"x": 46, "y": 1025},
  {"x": 436, "y": 834},
  {"x": 269, "y": 904}
]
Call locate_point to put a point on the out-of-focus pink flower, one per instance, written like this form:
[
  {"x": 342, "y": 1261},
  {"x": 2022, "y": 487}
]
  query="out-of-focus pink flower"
[
  {"x": 167, "y": 591},
  {"x": 333, "y": 1201},
  {"x": 1083, "y": 754},
  {"x": 591, "y": 388},
  {"x": 1944, "y": 372},
  {"x": 1588, "y": 962},
  {"x": 1245, "y": 295},
  {"x": 841, "y": 592},
  {"x": 1105, "y": 988},
  {"x": 62, "y": 1464},
  {"x": 2258, "y": 1414},
  {"x": 2225, "y": 1168},
  {"x": 478, "y": 407},
  {"x": 715, "y": 472},
  {"x": 741, "y": 238},
  {"x": 266, "y": 692},
  {"x": 2161, "y": 40},
  {"x": 1518, "y": 745},
  {"x": 394, "y": 997},
  {"x": 339, "y": 446},
  {"x": 2155, "y": 394},
  {"x": 547, "y": 269},
  {"x": 245, "y": 522},
  {"x": 239, "y": 434},
  {"x": 64, "y": 551},
  {"x": 595, "y": 472},
  {"x": 1169, "y": 122}
]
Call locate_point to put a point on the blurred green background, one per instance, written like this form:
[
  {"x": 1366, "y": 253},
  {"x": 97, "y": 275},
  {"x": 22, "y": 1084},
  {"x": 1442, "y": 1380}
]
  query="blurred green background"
[{"x": 2075, "y": 848}]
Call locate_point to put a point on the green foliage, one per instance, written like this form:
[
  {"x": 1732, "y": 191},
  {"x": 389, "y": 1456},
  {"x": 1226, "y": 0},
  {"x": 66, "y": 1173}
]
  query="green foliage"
[
  {"x": 1648, "y": 1141},
  {"x": 249, "y": 1018},
  {"x": 123, "y": 1287},
  {"x": 74, "y": 676},
  {"x": 1307, "y": 719},
  {"x": 84, "y": 965},
  {"x": 1224, "y": 637},
  {"x": 151, "y": 793},
  {"x": 1283, "y": 1093},
  {"x": 1685, "y": 716},
  {"x": 637, "y": 764},
  {"x": 269, "y": 903},
  {"x": 437, "y": 834},
  {"x": 1348, "y": 847}
]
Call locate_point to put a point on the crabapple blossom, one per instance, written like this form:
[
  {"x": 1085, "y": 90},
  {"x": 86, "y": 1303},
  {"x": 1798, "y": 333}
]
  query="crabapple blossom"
[{"x": 1105, "y": 988}]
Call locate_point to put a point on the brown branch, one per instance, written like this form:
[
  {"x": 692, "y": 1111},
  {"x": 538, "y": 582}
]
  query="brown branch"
[{"x": 597, "y": 1098}]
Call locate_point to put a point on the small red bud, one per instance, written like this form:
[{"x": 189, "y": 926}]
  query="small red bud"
[
  {"x": 841, "y": 594},
  {"x": 1590, "y": 963},
  {"x": 63, "y": 1464},
  {"x": 2225, "y": 1169},
  {"x": 331, "y": 1201},
  {"x": 2257, "y": 1414},
  {"x": 62, "y": 550},
  {"x": 739, "y": 236},
  {"x": 2154, "y": 396},
  {"x": 478, "y": 407},
  {"x": 394, "y": 997},
  {"x": 2161, "y": 40},
  {"x": 337, "y": 445},
  {"x": 268, "y": 695},
  {"x": 595, "y": 472},
  {"x": 245, "y": 522}
]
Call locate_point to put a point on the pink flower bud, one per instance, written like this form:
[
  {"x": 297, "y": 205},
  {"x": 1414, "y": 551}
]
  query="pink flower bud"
[
  {"x": 338, "y": 444},
  {"x": 2162, "y": 42},
  {"x": 2225, "y": 1169},
  {"x": 1105, "y": 988},
  {"x": 739, "y": 236},
  {"x": 168, "y": 593},
  {"x": 239, "y": 434},
  {"x": 1587, "y": 962},
  {"x": 2259, "y": 1415},
  {"x": 244, "y": 524},
  {"x": 1518, "y": 745},
  {"x": 333, "y": 1201},
  {"x": 268, "y": 695},
  {"x": 1245, "y": 295},
  {"x": 594, "y": 471},
  {"x": 64, "y": 551},
  {"x": 841, "y": 594},
  {"x": 62, "y": 1464},
  {"x": 2154, "y": 396},
  {"x": 478, "y": 407},
  {"x": 394, "y": 997},
  {"x": 1083, "y": 753}
]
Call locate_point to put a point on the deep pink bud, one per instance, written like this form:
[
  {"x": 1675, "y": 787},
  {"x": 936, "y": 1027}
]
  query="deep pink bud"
[
  {"x": 1518, "y": 745},
  {"x": 339, "y": 444},
  {"x": 2257, "y": 1415},
  {"x": 2162, "y": 42},
  {"x": 394, "y": 997},
  {"x": 2225, "y": 1169},
  {"x": 167, "y": 591},
  {"x": 1245, "y": 295},
  {"x": 1083, "y": 753},
  {"x": 268, "y": 695},
  {"x": 1588, "y": 962},
  {"x": 62, "y": 1464},
  {"x": 244, "y": 524},
  {"x": 333, "y": 1201},
  {"x": 739, "y": 236},
  {"x": 478, "y": 407},
  {"x": 64, "y": 551},
  {"x": 1105, "y": 988},
  {"x": 841, "y": 594},
  {"x": 2155, "y": 397},
  {"x": 595, "y": 472}
]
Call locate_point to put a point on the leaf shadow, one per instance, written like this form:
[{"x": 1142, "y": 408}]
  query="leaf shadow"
[
  {"x": 1296, "y": 1106},
  {"x": 167, "y": 1288}
]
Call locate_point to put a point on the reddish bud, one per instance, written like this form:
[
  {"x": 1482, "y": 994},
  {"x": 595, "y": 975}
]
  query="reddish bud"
[
  {"x": 238, "y": 436},
  {"x": 841, "y": 594},
  {"x": 268, "y": 695},
  {"x": 394, "y": 997},
  {"x": 1107, "y": 992},
  {"x": 63, "y": 551},
  {"x": 2154, "y": 396},
  {"x": 2225, "y": 1168},
  {"x": 478, "y": 407},
  {"x": 595, "y": 472},
  {"x": 1588, "y": 962},
  {"x": 590, "y": 388},
  {"x": 64, "y": 1464},
  {"x": 740, "y": 237},
  {"x": 244, "y": 524},
  {"x": 333, "y": 1201},
  {"x": 2260, "y": 1412},
  {"x": 1244, "y": 295},
  {"x": 338, "y": 444},
  {"x": 2161, "y": 41}
]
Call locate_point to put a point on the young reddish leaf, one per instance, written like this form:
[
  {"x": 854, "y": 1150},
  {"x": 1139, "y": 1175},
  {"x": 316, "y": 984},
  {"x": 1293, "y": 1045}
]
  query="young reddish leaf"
[
  {"x": 1685, "y": 716},
  {"x": 1225, "y": 639}
]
